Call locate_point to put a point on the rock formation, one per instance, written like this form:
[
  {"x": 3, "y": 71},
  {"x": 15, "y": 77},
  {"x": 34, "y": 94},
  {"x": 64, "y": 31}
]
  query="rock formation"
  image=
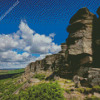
[
  {"x": 80, "y": 33},
  {"x": 80, "y": 53},
  {"x": 63, "y": 47},
  {"x": 94, "y": 76},
  {"x": 49, "y": 62},
  {"x": 79, "y": 41}
]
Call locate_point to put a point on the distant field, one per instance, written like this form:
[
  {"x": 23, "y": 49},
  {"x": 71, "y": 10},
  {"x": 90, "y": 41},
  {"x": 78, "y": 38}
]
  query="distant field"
[
  {"x": 2, "y": 72},
  {"x": 8, "y": 78}
]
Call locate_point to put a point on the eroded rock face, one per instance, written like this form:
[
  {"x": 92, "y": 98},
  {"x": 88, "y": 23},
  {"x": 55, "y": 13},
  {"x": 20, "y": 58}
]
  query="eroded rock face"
[
  {"x": 34, "y": 80},
  {"x": 80, "y": 42},
  {"x": 25, "y": 85},
  {"x": 49, "y": 61},
  {"x": 27, "y": 69},
  {"x": 76, "y": 81},
  {"x": 51, "y": 58},
  {"x": 81, "y": 50},
  {"x": 81, "y": 14},
  {"x": 94, "y": 76},
  {"x": 80, "y": 38},
  {"x": 64, "y": 48}
]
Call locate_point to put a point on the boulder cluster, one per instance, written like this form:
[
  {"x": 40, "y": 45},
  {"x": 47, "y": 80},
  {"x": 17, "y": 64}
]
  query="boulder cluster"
[{"x": 80, "y": 53}]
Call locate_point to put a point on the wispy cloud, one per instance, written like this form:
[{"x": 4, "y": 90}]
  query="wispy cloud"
[{"x": 2, "y": 17}]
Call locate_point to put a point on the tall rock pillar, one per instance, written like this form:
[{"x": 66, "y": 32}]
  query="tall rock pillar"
[{"x": 80, "y": 41}]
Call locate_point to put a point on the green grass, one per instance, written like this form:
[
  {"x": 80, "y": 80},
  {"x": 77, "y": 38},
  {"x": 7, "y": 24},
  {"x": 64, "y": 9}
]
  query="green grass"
[
  {"x": 43, "y": 91},
  {"x": 16, "y": 71},
  {"x": 68, "y": 91},
  {"x": 92, "y": 98},
  {"x": 96, "y": 87},
  {"x": 16, "y": 75},
  {"x": 2, "y": 72},
  {"x": 84, "y": 90},
  {"x": 7, "y": 86},
  {"x": 40, "y": 76},
  {"x": 73, "y": 98},
  {"x": 5, "y": 80}
]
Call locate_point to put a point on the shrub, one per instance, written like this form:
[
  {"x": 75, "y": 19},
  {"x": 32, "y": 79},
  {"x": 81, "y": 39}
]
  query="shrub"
[
  {"x": 40, "y": 76},
  {"x": 43, "y": 91},
  {"x": 12, "y": 97},
  {"x": 88, "y": 90},
  {"x": 92, "y": 98},
  {"x": 11, "y": 89},
  {"x": 73, "y": 98},
  {"x": 96, "y": 88},
  {"x": 80, "y": 90},
  {"x": 68, "y": 91},
  {"x": 17, "y": 75},
  {"x": 1, "y": 95}
]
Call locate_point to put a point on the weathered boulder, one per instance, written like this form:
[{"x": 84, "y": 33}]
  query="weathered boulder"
[
  {"x": 17, "y": 91},
  {"x": 76, "y": 81},
  {"x": 80, "y": 81},
  {"x": 56, "y": 77},
  {"x": 97, "y": 94},
  {"x": 81, "y": 44},
  {"x": 23, "y": 79},
  {"x": 80, "y": 32},
  {"x": 19, "y": 81},
  {"x": 26, "y": 85},
  {"x": 82, "y": 14},
  {"x": 33, "y": 80},
  {"x": 94, "y": 76}
]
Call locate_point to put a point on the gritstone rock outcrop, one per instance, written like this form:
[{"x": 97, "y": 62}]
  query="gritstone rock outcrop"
[
  {"x": 80, "y": 53},
  {"x": 50, "y": 62}
]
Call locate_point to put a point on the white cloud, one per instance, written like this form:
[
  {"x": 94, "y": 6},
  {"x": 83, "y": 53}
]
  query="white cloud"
[
  {"x": 27, "y": 40},
  {"x": 36, "y": 43},
  {"x": 7, "y": 42},
  {"x": 40, "y": 44},
  {"x": 52, "y": 35},
  {"x": 42, "y": 56},
  {"x": 55, "y": 48},
  {"x": 25, "y": 54},
  {"x": 13, "y": 56},
  {"x": 24, "y": 28},
  {"x": 12, "y": 65},
  {"x": 12, "y": 59}
]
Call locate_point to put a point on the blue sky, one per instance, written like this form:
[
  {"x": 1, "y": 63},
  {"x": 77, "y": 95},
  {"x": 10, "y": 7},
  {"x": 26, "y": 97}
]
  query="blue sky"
[{"x": 32, "y": 29}]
